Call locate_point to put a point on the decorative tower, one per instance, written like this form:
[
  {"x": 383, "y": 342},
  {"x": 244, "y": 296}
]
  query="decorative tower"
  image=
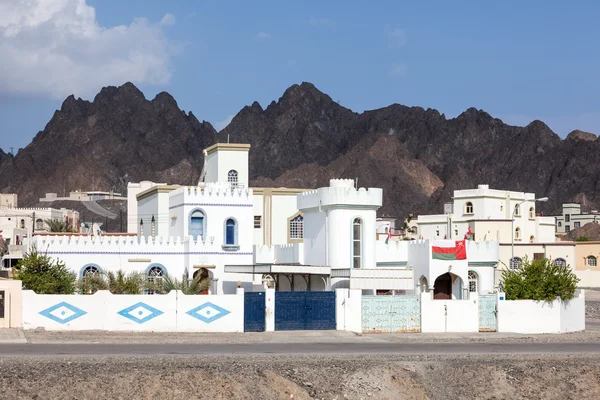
[
  {"x": 339, "y": 225},
  {"x": 227, "y": 162}
]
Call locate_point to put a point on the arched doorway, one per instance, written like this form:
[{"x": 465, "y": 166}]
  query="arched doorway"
[{"x": 442, "y": 288}]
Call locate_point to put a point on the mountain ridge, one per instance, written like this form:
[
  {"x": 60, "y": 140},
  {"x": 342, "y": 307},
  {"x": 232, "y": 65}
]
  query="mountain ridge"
[{"x": 416, "y": 155}]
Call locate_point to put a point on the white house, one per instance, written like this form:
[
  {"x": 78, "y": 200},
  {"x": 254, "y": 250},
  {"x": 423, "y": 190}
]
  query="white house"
[
  {"x": 507, "y": 217},
  {"x": 340, "y": 250},
  {"x": 294, "y": 239},
  {"x": 572, "y": 218},
  {"x": 276, "y": 219}
]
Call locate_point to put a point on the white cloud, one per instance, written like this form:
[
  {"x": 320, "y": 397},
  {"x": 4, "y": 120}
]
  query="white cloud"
[
  {"x": 168, "y": 19},
  {"x": 56, "y": 48},
  {"x": 396, "y": 37},
  {"x": 398, "y": 70},
  {"x": 318, "y": 21},
  {"x": 219, "y": 126},
  {"x": 262, "y": 35}
]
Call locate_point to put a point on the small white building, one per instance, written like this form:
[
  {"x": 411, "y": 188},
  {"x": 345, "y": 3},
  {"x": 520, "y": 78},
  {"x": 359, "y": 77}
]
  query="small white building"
[{"x": 572, "y": 218}]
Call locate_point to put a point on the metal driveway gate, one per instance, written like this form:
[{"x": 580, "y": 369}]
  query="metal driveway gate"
[
  {"x": 487, "y": 313},
  {"x": 389, "y": 314},
  {"x": 304, "y": 311},
  {"x": 254, "y": 311}
]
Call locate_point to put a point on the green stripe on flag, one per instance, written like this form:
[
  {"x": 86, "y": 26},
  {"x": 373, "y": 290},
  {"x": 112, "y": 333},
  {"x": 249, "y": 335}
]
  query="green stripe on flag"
[{"x": 443, "y": 256}]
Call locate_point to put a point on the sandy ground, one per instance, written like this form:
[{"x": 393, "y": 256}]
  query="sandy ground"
[
  {"x": 301, "y": 377},
  {"x": 269, "y": 377}
]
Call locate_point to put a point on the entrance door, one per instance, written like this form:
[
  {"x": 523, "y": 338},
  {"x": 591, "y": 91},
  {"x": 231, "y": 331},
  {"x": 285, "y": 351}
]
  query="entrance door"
[
  {"x": 254, "y": 312},
  {"x": 442, "y": 289},
  {"x": 487, "y": 313}
]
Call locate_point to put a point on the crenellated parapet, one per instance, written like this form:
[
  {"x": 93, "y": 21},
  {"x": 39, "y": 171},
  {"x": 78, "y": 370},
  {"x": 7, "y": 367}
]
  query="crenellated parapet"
[
  {"x": 219, "y": 192},
  {"x": 124, "y": 243},
  {"x": 340, "y": 192}
]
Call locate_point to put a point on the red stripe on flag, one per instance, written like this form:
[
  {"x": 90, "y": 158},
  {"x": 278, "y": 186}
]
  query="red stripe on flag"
[{"x": 459, "y": 249}]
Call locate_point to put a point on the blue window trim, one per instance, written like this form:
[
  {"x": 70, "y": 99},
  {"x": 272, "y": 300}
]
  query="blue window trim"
[
  {"x": 204, "y": 222},
  {"x": 164, "y": 269},
  {"x": 88, "y": 265}
]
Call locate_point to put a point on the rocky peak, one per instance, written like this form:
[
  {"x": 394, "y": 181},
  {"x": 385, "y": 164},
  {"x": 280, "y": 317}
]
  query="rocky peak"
[
  {"x": 164, "y": 99},
  {"x": 578, "y": 135}
]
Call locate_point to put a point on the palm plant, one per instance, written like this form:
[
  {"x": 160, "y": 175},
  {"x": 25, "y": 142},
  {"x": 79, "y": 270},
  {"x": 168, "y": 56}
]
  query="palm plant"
[
  {"x": 122, "y": 283},
  {"x": 90, "y": 284},
  {"x": 58, "y": 225},
  {"x": 197, "y": 285}
]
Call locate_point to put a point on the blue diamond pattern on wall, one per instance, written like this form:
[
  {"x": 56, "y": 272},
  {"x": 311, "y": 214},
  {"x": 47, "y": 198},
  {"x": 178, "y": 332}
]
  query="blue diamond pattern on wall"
[
  {"x": 62, "y": 313},
  {"x": 208, "y": 312},
  {"x": 140, "y": 312}
]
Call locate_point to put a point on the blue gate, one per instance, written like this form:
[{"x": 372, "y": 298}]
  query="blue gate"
[
  {"x": 304, "y": 311},
  {"x": 487, "y": 313},
  {"x": 254, "y": 312}
]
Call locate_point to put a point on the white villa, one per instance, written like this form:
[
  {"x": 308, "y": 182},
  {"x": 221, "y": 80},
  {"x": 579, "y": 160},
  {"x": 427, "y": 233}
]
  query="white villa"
[{"x": 289, "y": 239}]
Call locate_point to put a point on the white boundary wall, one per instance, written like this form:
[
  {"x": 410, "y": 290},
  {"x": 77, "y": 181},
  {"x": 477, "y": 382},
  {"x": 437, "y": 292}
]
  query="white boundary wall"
[
  {"x": 171, "y": 312},
  {"x": 449, "y": 315},
  {"x": 529, "y": 316}
]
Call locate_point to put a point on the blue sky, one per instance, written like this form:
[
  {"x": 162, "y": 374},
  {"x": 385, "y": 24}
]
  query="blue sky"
[{"x": 517, "y": 60}]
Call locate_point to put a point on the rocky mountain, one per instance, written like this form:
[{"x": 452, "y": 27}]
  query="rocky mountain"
[
  {"x": 416, "y": 155},
  {"x": 119, "y": 137}
]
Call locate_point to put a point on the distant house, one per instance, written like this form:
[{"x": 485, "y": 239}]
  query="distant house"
[{"x": 572, "y": 218}]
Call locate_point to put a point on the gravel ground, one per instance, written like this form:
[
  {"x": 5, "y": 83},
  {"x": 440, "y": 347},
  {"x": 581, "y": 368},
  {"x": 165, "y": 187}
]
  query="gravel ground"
[
  {"x": 592, "y": 310},
  {"x": 301, "y": 377}
]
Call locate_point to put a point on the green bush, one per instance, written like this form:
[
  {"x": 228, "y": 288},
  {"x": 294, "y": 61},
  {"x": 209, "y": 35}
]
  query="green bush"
[
  {"x": 582, "y": 239},
  {"x": 43, "y": 275},
  {"x": 539, "y": 280}
]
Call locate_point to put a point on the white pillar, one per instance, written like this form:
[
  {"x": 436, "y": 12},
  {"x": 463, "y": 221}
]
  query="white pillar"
[{"x": 270, "y": 310}]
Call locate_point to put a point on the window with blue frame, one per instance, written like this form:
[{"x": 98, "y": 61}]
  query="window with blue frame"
[
  {"x": 197, "y": 224},
  {"x": 230, "y": 231}
]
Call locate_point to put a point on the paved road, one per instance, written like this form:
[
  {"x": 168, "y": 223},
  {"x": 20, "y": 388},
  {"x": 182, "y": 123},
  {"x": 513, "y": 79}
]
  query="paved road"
[{"x": 298, "y": 348}]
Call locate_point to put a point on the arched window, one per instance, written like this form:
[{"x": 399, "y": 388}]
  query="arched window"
[
  {"x": 423, "y": 284},
  {"x": 531, "y": 239},
  {"x": 197, "y": 226},
  {"x": 232, "y": 178},
  {"x": 297, "y": 227},
  {"x": 230, "y": 232},
  {"x": 39, "y": 224},
  {"x": 591, "y": 261},
  {"x": 473, "y": 284},
  {"x": 531, "y": 213},
  {"x": 517, "y": 210},
  {"x": 357, "y": 243},
  {"x": 22, "y": 224},
  {"x": 155, "y": 277},
  {"x": 560, "y": 262},
  {"x": 515, "y": 263},
  {"x": 469, "y": 208},
  {"x": 518, "y": 233},
  {"x": 559, "y": 224},
  {"x": 90, "y": 270}
]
